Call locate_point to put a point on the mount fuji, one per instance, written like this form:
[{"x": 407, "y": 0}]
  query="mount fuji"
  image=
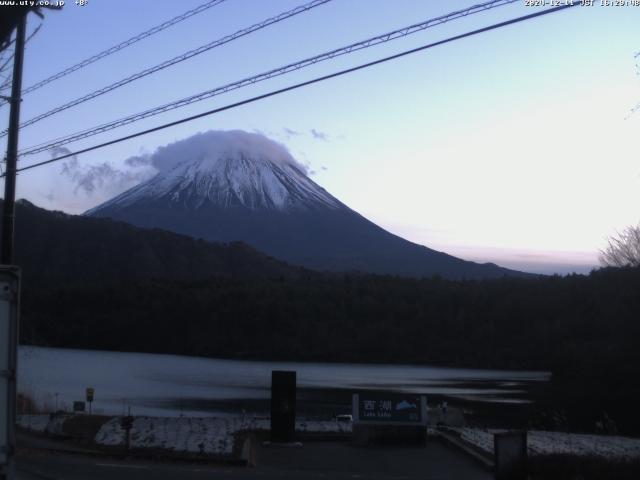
[{"x": 232, "y": 185}]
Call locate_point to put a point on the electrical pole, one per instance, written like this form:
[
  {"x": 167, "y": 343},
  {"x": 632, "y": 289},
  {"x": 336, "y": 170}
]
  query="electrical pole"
[
  {"x": 8, "y": 215},
  {"x": 9, "y": 275}
]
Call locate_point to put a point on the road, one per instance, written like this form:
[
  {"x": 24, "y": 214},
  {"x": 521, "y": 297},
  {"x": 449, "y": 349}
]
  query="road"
[{"x": 315, "y": 460}]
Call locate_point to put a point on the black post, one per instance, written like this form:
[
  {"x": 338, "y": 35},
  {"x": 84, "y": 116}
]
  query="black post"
[
  {"x": 8, "y": 215},
  {"x": 283, "y": 406}
]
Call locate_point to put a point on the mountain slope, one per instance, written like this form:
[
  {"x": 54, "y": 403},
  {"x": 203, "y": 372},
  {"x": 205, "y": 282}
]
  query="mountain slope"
[
  {"x": 54, "y": 248},
  {"x": 226, "y": 186}
]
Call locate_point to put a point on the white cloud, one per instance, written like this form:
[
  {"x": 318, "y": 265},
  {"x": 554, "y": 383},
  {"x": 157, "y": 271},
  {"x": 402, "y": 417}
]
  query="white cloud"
[{"x": 218, "y": 143}]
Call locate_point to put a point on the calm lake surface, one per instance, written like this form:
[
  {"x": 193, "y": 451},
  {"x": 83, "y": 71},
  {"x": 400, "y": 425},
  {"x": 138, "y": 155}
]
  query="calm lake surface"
[{"x": 171, "y": 385}]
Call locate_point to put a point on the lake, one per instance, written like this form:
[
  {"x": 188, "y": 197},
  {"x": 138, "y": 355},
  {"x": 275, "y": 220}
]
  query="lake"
[{"x": 172, "y": 385}]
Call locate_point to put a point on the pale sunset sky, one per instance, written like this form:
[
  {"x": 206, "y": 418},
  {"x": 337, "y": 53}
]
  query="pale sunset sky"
[{"x": 517, "y": 146}]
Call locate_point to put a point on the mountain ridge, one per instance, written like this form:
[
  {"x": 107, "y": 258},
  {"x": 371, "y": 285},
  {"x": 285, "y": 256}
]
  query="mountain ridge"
[
  {"x": 53, "y": 247},
  {"x": 233, "y": 185}
]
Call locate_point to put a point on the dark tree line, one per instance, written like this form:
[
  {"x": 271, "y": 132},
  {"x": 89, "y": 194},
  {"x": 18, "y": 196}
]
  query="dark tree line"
[
  {"x": 584, "y": 329},
  {"x": 96, "y": 283}
]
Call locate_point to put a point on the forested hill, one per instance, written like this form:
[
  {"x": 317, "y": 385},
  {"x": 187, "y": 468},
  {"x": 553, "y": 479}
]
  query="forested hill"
[
  {"x": 54, "y": 248},
  {"x": 551, "y": 323},
  {"x": 585, "y": 329},
  {"x": 95, "y": 283}
]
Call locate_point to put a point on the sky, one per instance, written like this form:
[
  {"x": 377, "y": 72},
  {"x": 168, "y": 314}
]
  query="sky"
[{"x": 517, "y": 146}]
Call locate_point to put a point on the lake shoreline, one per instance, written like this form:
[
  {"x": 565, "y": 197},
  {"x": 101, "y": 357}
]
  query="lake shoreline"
[
  {"x": 323, "y": 360},
  {"x": 151, "y": 383}
]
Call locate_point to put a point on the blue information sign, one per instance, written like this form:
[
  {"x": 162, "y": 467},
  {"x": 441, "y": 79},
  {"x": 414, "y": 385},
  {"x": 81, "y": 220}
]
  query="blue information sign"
[{"x": 389, "y": 407}]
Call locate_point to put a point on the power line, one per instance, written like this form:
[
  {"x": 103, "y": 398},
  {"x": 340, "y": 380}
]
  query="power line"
[
  {"x": 6, "y": 62},
  {"x": 6, "y": 84},
  {"x": 122, "y": 45},
  {"x": 180, "y": 58},
  {"x": 7, "y": 44},
  {"x": 303, "y": 84},
  {"x": 31, "y": 35},
  {"x": 370, "y": 42}
]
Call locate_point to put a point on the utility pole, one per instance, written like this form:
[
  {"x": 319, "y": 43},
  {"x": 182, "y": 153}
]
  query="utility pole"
[
  {"x": 8, "y": 214},
  {"x": 9, "y": 275}
]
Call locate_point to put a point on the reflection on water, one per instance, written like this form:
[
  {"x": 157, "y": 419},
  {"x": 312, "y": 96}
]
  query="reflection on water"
[{"x": 172, "y": 385}]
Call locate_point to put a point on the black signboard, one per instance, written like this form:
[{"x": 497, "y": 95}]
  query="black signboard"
[
  {"x": 389, "y": 407},
  {"x": 283, "y": 406},
  {"x": 78, "y": 406}
]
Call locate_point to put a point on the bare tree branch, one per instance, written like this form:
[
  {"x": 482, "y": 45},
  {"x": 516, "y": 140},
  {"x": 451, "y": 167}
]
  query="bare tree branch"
[{"x": 623, "y": 249}]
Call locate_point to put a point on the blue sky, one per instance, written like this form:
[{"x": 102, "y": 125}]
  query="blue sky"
[{"x": 516, "y": 146}]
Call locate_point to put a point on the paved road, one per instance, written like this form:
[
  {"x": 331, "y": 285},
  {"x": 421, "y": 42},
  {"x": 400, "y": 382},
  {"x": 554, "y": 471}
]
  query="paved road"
[
  {"x": 341, "y": 460},
  {"x": 315, "y": 460},
  {"x": 62, "y": 466}
]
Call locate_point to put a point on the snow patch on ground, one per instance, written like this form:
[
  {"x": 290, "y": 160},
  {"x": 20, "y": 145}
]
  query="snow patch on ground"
[
  {"x": 560, "y": 443},
  {"x": 36, "y": 423},
  {"x": 206, "y": 435}
]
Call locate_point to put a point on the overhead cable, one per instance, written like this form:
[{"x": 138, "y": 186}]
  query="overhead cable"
[
  {"x": 180, "y": 58},
  {"x": 370, "y": 42},
  {"x": 300, "y": 85},
  {"x": 124, "y": 44}
]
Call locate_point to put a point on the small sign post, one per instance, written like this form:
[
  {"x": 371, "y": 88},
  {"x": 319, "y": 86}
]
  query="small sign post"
[
  {"x": 90, "y": 392},
  {"x": 127, "y": 424}
]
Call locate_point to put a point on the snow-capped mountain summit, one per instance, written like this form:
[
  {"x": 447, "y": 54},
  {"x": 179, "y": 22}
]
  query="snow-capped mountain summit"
[
  {"x": 233, "y": 185},
  {"x": 245, "y": 170}
]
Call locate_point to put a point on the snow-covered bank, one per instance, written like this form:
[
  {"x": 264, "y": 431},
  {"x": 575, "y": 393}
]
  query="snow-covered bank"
[
  {"x": 205, "y": 435},
  {"x": 216, "y": 435},
  {"x": 35, "y": 423},
  {"x": 560, "y": 443},
  {"x": 199, "y": 435}
]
